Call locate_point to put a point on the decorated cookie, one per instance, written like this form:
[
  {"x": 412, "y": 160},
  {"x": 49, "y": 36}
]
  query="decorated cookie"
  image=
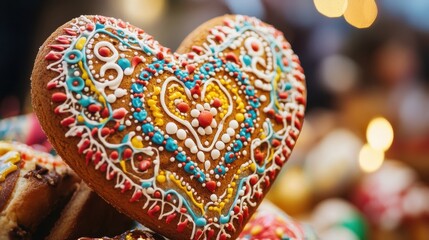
[
  {"x": 187, "y": 143},
  {"x": 269, "y": 222}
]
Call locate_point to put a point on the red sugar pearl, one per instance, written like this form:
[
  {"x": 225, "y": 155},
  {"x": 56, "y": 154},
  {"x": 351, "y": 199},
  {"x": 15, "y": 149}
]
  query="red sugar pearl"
[
  {"x": 104, "y": 51},
  {"x": 205, "y": 118}
]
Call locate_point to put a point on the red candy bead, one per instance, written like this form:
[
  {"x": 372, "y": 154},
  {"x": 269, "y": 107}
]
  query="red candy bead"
[
  {"x": 205, "y": 118},
  {"x": 104, "y": 51},
  {"x": 216, "y": 103},
  {"x": 183, "y": 107}
]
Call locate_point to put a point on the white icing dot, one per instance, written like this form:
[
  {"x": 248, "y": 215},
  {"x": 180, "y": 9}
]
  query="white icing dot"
[
  {"x": 195, "y": 123},
  {"x": 207, "y": 165},
  {"x": 199, "y": 107},
  {"x": 208, "y": 130},
  {"x": 171, "y": 128},
  {"x": 215, "y": 154},
  {"x": 194, "y": 149},
  {"x": 213, "y": 197},
  {"x": 201, "y": 131},
  {"x": 213, "y": 124},
  {"x": 226, "y": 138},
  {"x": 230, "y": 132},
  {"x": 233, "y": 124},
  {"x": 181, "y": 134},
  {"x": 189, "y": 143},
  {"x": 120, "y": 92},
  {"x": 263, "y": 98},
  {"x": 200, "y": 156},
  {"x": 195, "y": 113},
  {"x": 111, "y": 98},
  {"x": 213, "y": 111},
  {"x": 220, "y": 145},
  {"x": 206, "y": 106}
]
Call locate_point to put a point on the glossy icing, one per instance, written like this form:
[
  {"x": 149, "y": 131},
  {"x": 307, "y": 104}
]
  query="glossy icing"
[{"x": 201, "y": 134}]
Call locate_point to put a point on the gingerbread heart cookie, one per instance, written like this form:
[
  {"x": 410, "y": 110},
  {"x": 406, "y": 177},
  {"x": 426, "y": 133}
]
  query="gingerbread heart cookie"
[{"x": 187, "y": 143}]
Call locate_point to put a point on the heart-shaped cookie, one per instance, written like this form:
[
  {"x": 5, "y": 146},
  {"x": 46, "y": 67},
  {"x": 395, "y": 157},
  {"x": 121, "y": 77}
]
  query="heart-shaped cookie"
[{"x": 186, "y": 143}]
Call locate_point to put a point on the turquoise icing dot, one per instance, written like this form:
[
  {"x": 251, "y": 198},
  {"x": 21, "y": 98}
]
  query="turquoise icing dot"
[
  {"x": 252, "y": 113},
  {"x": 145, "y": 75},
  {"x": 250, "y": 91},
  {"x": 120, "y": 32},
  {"x": 249, "y": 122},
  {"x": 140, "y": 116},
  {"x": 247, "y": 60},
  {"x": 99, "y": 26},
  {"x": 229, "y": 157},
  {"x": 207, "y": 68},
  {"x": 181, "y": 157},
  {"x": 190, "y": 168},
  {"x": 260, "y": 169},
  {"x": 121, "y": 128},
  {"x": 147, "y": 128},
  {"x": 137, "y": 102},
  {"x": 288, "y": 86},
  {"x": 200, "y": 222},
  {"x": 137, "y": 88},
  {"x": 146, "y": 184},
  {"x": 232, "y": 67},
  {"x": 237, "y": 145},
  {"x": 181, "y": 75},
  {"x": 85, "y": 101},
  {"x": 201, "y": 177},
  {"x": 72, "y": 57},
  {"x": 124, "y": 63},
  {"x": 132, "y": 39},
  {"x": 220, "y": 169},
  {"x": 224, "y": 219},
  {"x": 157, "y": 138},
  {"x": 244, "y": 133},
  {"x": 254, "y": 103},
  {"x": 170, "y": 145},
  {"x": 190, "y": 84},
  {"x": 76, "y": 84}
]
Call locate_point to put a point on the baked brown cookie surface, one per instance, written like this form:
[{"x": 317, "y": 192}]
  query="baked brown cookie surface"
[
  {"x": 32, "y": 185},
  {"x": 187, "y": 143}
]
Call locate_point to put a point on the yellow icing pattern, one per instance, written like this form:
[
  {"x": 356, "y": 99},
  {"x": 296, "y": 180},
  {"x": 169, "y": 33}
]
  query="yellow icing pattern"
[
  {"x": 7, "y": 164},
  {"x": 189, "y": 193},
  {"x": 153, "y": 107}
]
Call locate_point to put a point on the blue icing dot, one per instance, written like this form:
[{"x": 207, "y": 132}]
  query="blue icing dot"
[
  {"x": 252, "y": 113},
  {"x": 200, "y": 222},
  {"x": 158, "y": 65},
  {"x": 224, "y": 219},
  {"x": 137, "y": 88},
  {"x": 146, "y": 184},
  {"x": 218, "y": 62},
  {"x": 207, "y": 68},
  {"x": 232, "y": 67},
  {"x": 75, "y": 84},
  {"x": 220, "y": 169},
  {"x": 254, "y": 104},
  {"x": 260, "y": 170},
  {"x": 190, "y": 84},
  {"x": 140, "y": 116},
  {"x": 250, "y": 91},
  {"x": 201, "y": 177},
  {"x": 237, "y": 145},
  {"x": 132, "y": 39},
  {"x": 249, "y": 122},
  {"x": 180, "y": 74},
  {"x": 124, "y": 63},
  {"x": 157, "y": 138},
  {"x": 85, "y": 101},
  {"x": 146, "y": 49},
  {"x": 188, "y": 167},
  {"x": 170, "y": 145},
  {"x": 229, "y": 157},
  {"x": 145, "y": 75},
  {"x": 99, "y": 26},
  {"x": 247, "y": 60},
  {"x": 121, "y": 128},
  {"x": 147, "y": 128},
  {"x": 288, "y": 86},
  {"x": 120, "y": 33},
  {"x": 244, "y": 133},
  {"x": 72, "y": 57},
  {"x": 137, "y": 102},
  {"x": 181, "y": 157},
  {"x": 197, "y": 77}
]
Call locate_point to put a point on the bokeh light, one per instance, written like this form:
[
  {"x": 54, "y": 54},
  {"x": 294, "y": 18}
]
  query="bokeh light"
[
  {"x": 370, "y": 159},
  {"x": 361, "y": 13},
  {"x": 331, "y": 8},
  {"x": 379, "y": 134}
]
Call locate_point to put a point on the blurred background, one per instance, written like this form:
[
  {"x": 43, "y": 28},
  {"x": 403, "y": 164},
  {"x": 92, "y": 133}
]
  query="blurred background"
[{"x": 360, "y": 169}]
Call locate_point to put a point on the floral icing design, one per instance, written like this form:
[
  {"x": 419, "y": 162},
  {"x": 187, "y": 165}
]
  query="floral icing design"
[{"x": 223, "y": 117}]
